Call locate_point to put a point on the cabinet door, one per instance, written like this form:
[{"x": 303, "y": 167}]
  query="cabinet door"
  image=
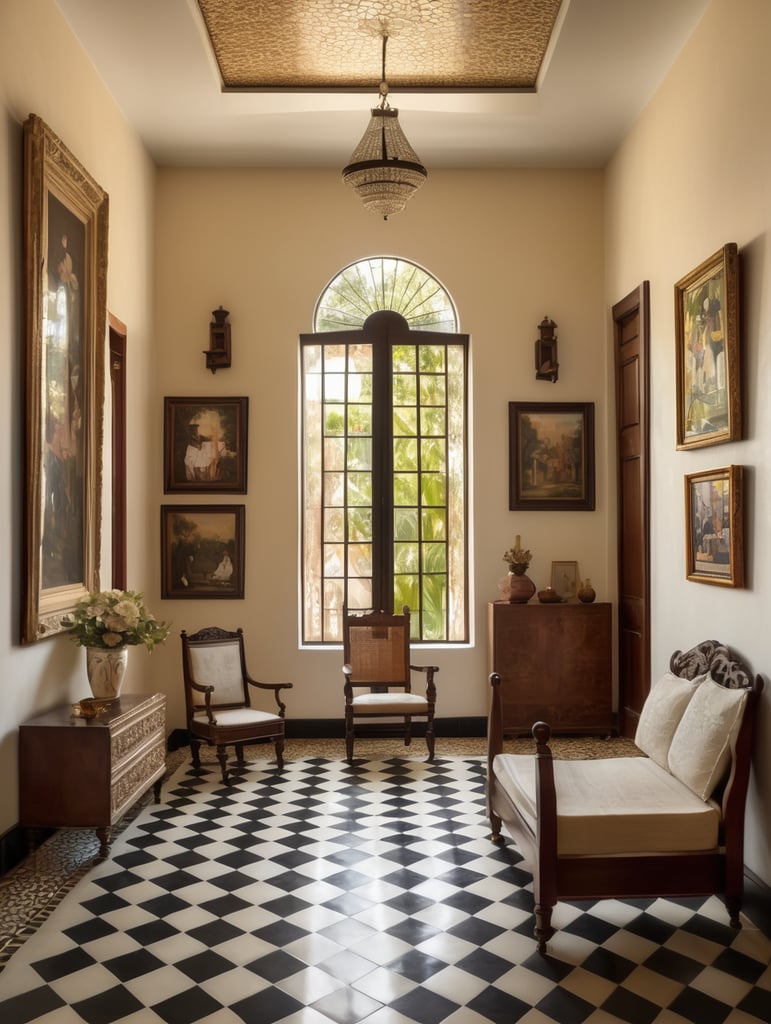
[{"x": 555, "y": 666}]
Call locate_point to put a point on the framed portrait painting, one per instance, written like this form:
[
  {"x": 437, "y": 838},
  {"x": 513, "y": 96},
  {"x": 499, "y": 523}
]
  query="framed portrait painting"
[
  {"x": 202, "y": 551},
  {"x": 65, "y": 281},
  {"x": 714, "y": 526},
  {"x": 551, "y": 455},
  {"x": 708, "y": 366},
  {"x": 204, "y": 445},
  {"x": 564, "y": 579}
]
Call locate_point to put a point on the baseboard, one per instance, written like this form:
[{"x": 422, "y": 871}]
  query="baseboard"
[{"x": 334, "y": 729}]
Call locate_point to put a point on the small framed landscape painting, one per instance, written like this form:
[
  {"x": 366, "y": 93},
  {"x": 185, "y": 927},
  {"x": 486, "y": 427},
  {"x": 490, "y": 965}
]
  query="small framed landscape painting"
[
  {"x": 551, "y": 456},
  {"x": 202, "y": 551},
  {"x": 714, "y": 526}
]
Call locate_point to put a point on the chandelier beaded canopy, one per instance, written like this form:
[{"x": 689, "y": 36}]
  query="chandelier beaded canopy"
[{"x": 384, "y": 169}]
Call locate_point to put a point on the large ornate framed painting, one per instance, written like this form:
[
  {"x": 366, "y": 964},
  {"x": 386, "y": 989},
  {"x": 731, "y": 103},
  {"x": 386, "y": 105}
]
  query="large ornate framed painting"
[
  {"x": 708, "y": 369},
  {"x": 551, "y": 456},
  {"x": 65, "y": 279}
]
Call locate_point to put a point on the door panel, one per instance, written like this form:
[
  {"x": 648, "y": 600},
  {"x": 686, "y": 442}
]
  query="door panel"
[{"x": 630, "y": 337}]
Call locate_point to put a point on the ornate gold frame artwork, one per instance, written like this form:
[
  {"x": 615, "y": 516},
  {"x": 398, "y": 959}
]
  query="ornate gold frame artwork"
[
  {"x": 65, "y": 268},
  {"x": 714, "y": 515},
  {"x": 708, "y": 373}
]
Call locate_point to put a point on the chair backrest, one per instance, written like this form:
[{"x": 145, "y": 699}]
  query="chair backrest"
[
  {"x": 214, "y": 657},
  {"x": 377, "y": 647}
]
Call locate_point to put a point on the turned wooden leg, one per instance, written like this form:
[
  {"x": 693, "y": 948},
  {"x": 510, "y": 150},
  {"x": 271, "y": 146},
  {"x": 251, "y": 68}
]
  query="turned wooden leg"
[
  {"x": 103, "y": 835},
  {"x": 195, "y": 746},
  {"x": 157, "y": 790},
  {"x": 222, "y": 757},
  {"x": 430, "y": 739},
  {"x": 543, "y": 930},
  {"x": 349, "y": 739},
  {"x": 279, "y": 745},
  {"x": 407, "y": 731},
  {"x": 495, "y": 825},
  {"x": 240, "y": 753}
]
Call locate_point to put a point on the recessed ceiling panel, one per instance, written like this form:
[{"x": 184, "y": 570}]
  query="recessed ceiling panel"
[{"x": 337, "y": 44}]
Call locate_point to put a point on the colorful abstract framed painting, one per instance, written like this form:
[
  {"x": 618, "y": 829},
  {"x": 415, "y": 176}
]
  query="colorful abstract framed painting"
[
  {"x": 714, "y": 507},
  {"x": 551, "y": 456},
  {"x": 202, "y": 551},
  {"x": 65, "y": 280},
  {"x": 708, "y": 363},
  {"x": 204, "y": 444}
]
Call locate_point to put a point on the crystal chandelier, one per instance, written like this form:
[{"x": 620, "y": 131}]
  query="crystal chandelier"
[{"x": 384, "y": 169}]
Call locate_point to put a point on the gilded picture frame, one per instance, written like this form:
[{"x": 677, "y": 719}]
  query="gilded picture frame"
[
  {"x": 65, "y": 281},
  {"x": 551, "y": 456},
  {"x": 707, "y": 322},
  {"x": 714, "y": 507},
  {"x": 202, "y": 551},
  {"x": 205, "y": 445}
]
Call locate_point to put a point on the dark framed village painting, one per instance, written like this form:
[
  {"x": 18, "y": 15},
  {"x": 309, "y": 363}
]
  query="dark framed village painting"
[
  {"x": 205, "y": 445},
  {"x": 202, "y": 551},
  {"x": 708, "y": 366},
  {"x": 65, "y": 282},
  {"x": 551, "y": 456}
]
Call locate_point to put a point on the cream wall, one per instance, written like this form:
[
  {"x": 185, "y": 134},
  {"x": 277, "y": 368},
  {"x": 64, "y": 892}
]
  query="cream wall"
[
  {"x": 694, "y": 174},
  {"x": 43, "y": 71},
  {"x": 510, "y": 246}
]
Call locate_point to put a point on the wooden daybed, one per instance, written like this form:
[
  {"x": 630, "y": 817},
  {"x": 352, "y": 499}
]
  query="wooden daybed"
[{"x": 667, "y": 823}]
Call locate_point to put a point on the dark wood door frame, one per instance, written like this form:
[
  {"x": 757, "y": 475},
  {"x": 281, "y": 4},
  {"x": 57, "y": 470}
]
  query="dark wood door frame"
[
  {"x": 630, "y": 346},
  {"x": 117, "y": 340}
]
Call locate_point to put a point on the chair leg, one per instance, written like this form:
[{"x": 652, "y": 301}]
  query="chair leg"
[
  {"x": 430, "y": 738},
  {"x": 195, "y": 746},
  {"x": 407, "y": 730},
  {"x": 222, "y": 757},
  {"x": 240, "y": 753},
  {"x": 349, "y": 738},
  {"x": 279, "y": 745}
]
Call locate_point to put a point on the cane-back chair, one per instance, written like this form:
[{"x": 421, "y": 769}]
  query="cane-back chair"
[
  {"x": 218, "y": 692},
  {"x": 378, "y": 673}
]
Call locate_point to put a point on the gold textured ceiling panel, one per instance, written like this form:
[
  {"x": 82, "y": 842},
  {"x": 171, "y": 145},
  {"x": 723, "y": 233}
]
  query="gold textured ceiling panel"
[{"x": 337, "y": 44}]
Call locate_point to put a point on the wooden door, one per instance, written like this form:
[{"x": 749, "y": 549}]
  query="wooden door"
[{"x": 630, "y": 343}]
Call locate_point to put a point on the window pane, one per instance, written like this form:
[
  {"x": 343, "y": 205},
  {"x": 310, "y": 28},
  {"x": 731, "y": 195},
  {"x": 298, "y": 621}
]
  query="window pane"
[{"x": 421, "y": 404}]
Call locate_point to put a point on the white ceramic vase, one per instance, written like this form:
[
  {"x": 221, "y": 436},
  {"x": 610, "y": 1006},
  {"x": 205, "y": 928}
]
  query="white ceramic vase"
[{"x": 106, "y": 670}]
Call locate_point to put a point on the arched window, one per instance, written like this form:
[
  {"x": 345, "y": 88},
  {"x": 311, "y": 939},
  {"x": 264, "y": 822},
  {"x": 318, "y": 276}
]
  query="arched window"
[{"x": 384, "y": 381}]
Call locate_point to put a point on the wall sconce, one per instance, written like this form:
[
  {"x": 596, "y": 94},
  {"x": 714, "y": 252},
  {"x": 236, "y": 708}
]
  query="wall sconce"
[
  {"x": 546, "y": 362},
  {"x": 218, "y": 353}
]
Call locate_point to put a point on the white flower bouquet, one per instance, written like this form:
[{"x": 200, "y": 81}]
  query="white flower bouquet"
[{"x": 111, "y": 619}]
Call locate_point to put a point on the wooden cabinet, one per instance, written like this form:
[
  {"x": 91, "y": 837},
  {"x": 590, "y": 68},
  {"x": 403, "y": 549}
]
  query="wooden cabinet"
[
  {"x": 555, "y": 664},
  {"x": 86, "y": 773}
]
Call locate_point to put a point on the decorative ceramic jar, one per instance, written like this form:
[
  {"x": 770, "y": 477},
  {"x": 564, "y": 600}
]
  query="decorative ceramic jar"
[
  {"x": 549, "y": 596},
  {"x": 521, "y": 587},
  {"x": 586, "y": 591},
  {"x": 106, "y": 670}
]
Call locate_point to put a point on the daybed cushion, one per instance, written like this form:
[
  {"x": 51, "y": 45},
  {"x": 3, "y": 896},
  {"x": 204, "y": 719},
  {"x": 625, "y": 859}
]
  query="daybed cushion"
[
  {"x": 701, "y": 747},
  {"x": 614, "y": 805},
  {"x": 661, "y": 714}
]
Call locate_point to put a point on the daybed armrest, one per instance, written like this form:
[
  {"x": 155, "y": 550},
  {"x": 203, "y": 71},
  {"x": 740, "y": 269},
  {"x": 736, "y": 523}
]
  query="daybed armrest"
[{"x": 494, "y": 721}]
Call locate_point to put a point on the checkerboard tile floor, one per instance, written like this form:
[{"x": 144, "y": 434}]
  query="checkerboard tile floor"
[{"x": 334, "y": 894}]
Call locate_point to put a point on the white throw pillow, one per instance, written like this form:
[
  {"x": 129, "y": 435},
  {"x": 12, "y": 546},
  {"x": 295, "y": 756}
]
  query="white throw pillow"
[
  {"x": 663, "y": 708},
  {"x": 701, "y": 747}
]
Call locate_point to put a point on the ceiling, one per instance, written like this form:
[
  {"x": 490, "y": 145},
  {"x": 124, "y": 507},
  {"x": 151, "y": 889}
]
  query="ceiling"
[{"x": 289, "y": 83}]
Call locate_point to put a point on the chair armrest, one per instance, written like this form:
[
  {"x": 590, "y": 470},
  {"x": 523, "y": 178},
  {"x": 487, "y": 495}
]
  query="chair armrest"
[
  {"x": 348, "y": 688},
  {"x": 207, "y": 691},
  {"x": 430, "y": 671},
  {"x": 275, "y": 687}
]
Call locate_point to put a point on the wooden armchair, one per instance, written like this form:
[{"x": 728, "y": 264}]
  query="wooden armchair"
[
  {"x": 670, "y": 823},
  {"x": 217, "y": 696},
  {"x": 377, "y": 663}
]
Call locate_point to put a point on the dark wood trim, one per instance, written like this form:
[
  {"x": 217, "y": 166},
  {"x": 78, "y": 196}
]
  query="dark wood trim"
[{"x": 117, "y": 335}]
